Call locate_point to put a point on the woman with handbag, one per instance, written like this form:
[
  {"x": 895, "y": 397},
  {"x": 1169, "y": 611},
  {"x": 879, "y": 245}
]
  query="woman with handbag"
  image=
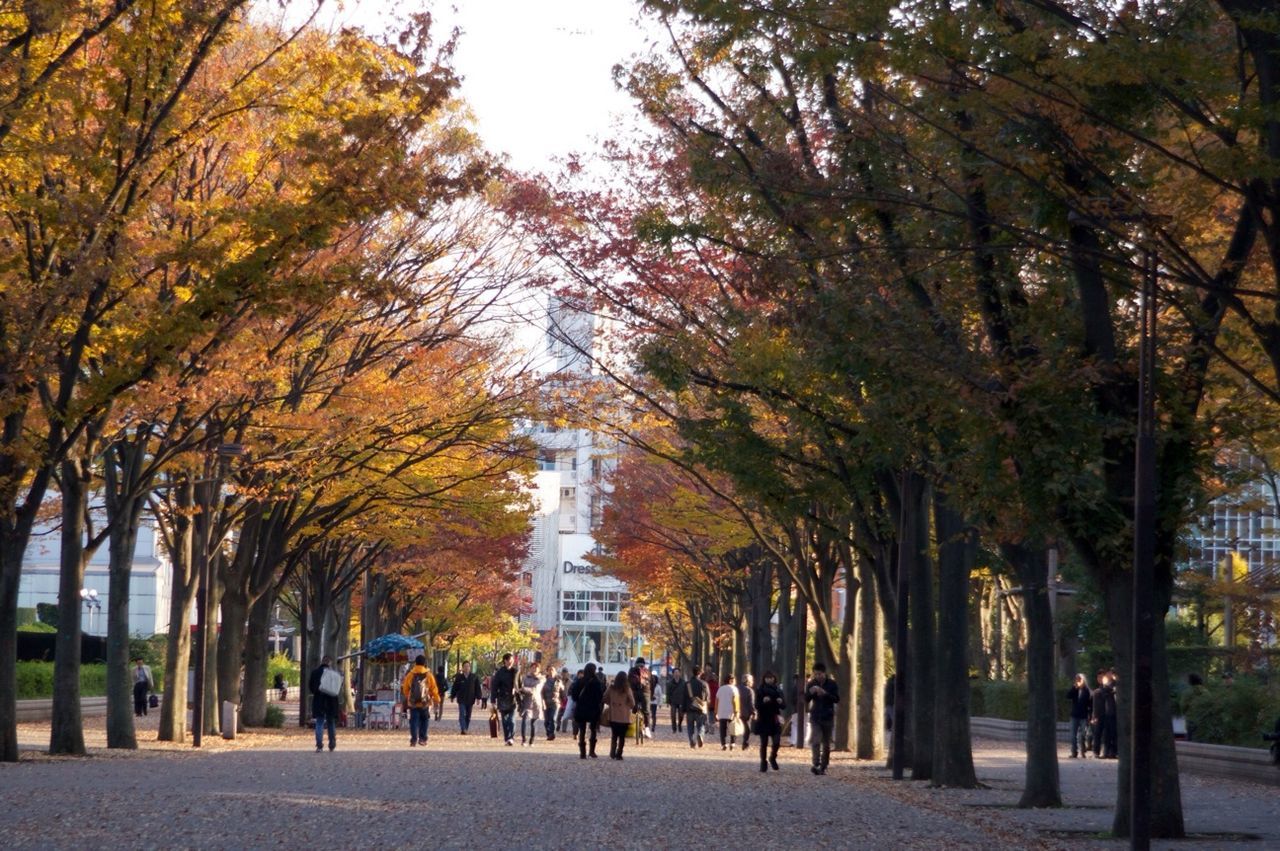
[
  {"x": 622, "y": 703},
  {"x": 530, "y": 697},
  {"x": 728, "y": 713}
]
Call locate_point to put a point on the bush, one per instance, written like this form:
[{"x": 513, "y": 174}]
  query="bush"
[
  {"x": 274, "y": 716},
  {"x": 26, "y": 616},
  {"x": 279, "y": 663},
  {"x": 36, "y": 626},
  {"x": 1007, "y": 699},
  {"x": 1231, "y": 715},
  {"x": 35, "y": 680}
]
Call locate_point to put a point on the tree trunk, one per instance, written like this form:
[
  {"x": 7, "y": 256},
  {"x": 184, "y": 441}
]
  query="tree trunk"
[
  {"x": 123, "y": 541},
  {"x": 915, "y": 539},
  {"x": 212, "y": 719},
  {"x": 953, "y": 744},
  {"x": 1166, "y": 791},
  {"x": 1042, "y": 785},
  {"x": 66, "y": 735},
  {"x": 13, "y": 545},
  {"x": 870, "y": 723},
  {"x": 182, "y": 592},
  {"x": 253, "y": 709},
  {"x": 235, "y": 617},
  {"x": 845, "y": 733}
]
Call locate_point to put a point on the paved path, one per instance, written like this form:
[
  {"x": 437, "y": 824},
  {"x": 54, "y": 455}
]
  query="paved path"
[{"x": 273, "y": 790}]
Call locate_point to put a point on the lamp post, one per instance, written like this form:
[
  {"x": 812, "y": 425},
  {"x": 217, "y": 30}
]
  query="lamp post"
[
  {"x": 203, "y": 540},
  {"x": 1143, "y": 567},
  {"x": 91, "y": 603}
]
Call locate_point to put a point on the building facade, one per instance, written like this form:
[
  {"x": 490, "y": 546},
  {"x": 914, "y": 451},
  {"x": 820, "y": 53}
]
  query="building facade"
[
  {"x": 570, "y": 595},
  {"x": 149, "y": 584}
]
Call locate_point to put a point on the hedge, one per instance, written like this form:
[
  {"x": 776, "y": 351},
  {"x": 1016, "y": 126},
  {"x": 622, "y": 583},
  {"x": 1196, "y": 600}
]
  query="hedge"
[{"x": 35, "y": 680}]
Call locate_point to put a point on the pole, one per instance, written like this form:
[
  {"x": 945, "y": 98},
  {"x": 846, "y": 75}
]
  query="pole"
[
  {"x": 303, "y": 680},
  {"x": 802, "y": 629},
  {"x": 900, "y": 630},
  {"x": 1143, "y": 570},
  {"x": 364, "y": 639}
]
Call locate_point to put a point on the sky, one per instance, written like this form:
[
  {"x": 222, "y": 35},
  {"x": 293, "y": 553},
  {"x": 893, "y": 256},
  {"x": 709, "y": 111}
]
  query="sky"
[{"x": 536, "y": 73}]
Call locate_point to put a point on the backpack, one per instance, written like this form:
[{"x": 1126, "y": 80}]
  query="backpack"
[{"x": 419, "y": 694}]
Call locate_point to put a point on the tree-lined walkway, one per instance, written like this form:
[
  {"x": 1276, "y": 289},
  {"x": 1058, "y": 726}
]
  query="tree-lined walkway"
[{"x": 271, "y": 788}]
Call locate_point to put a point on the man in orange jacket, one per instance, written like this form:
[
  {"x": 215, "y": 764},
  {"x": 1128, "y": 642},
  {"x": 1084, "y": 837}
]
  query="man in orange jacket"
[{"x": 420, "y": 694}]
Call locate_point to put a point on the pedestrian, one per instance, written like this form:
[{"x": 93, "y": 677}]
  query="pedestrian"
[
  {"x": 746, "y": 707},
  {"x": 420, "y": 694},
  {"x": 281, "y": 687},
  {"x": 503, "y": 690},
  {"x": 530, "y": 700},
  {"x": 621, "y": 700},
  {"x": 641, "y": 692},
  {"x": 659, "y": 695},
  {"x": 1111, "y": 722},
  {"x": 822, "y": 695},
  {"x": 769, "y": 706},
  {"x": 552, "y": 694},
  {"x": 713, "y": 686},
  {"x": 485, "y": 685},
  {"x": 143, "y": 685},
  {"x": 566, "y": 705},
  {"x": 727, "y": 711},
  {"x": 324, "y": 706},
  {"x": 1101, "y": 718},
  {"x": 675, "y": 698},
  {"x": 465, "y": 692},
  {"x": 442, "y": 688},
  {"x": 1081, "y": 700},
  {"x": 696, "y": 701},
  {"x": 588, "y": 703}
]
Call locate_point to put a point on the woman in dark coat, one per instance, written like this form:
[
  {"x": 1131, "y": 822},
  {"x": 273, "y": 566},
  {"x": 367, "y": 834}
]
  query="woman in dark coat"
[
  {"x": 324, "y": 707},
  {"x": 588, "y": 697},
  {"x": 769, "y": 707}
]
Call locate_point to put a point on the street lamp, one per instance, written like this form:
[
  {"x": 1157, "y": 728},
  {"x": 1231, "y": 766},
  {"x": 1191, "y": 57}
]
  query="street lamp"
[
  {"x": 222, "y": 450},
  {"x": 91, "y": 604}
]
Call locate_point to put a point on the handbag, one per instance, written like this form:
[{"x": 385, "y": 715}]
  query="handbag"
[
  {"x": 330, "y": 682},
  {"x": 737, "y": 727},
  {"x": 493, "y": 723}
]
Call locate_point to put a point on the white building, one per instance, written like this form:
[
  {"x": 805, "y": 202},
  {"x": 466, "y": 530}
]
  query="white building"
[
  {"x": 149, "y": 584},
  {"x": 569, "y": 594}
]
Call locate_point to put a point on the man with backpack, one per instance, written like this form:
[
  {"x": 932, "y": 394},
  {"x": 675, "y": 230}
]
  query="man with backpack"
[{"x": 420, "y": 694}]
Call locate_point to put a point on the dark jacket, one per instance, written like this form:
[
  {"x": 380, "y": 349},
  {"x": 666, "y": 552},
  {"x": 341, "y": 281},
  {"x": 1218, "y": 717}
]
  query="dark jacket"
[
  {"x": 588, "y": 700},
  {"x": 321, "y": 703},
  {"x": 1104, "y": 702},
  {"x": 822, "y": 706},
  {"x": 746, "y": 700},
  {"x": 769, "y": 705},
  {"x": 1081, "y": 700},
  {"x": 552, "y": 689},
  {"x": 503, "y": 688},
  {"x": 466, "y": 689},
  {"x": 671, "y": 686},
  {"x": 696, "y": 688}
]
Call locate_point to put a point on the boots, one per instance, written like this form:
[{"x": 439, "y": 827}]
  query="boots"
[
  {"x": 764, "y": 766},
  {"x": 582, "y": 750}
]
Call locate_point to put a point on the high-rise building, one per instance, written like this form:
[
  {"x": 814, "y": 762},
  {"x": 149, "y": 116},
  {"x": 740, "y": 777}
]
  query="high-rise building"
[{"x": 569, "y": 594}]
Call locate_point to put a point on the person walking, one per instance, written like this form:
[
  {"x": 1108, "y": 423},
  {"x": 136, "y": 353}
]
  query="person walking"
[
  {"x": 530, "y": 699},
  {"x": 746, "y": 707},
  {"x": 324, "y": 706},
  {"x": 727, "y": 711},
  {"x": 621, "y": 700},
  {"x": 552, "y": 694},
  {"x": 642, "y": 692},
  {"x": 420, "y": 694},
  {"x": 697, "y": 700},
  {"x": 675, "y": 698},
  {"x": 659, "y": 695},
  {"x": 465, "y": 692},
  {"x": 769, "y": 706},
  {"x": 485, "y": 686},
  {"x": 503, "y": 689},
  {"x": 442, "y": 688},
  {"x": 566, "y": 705},
  {"x": 143, "y": 685},
  {"x": 1081, "y": 700},
  {"x": 588, "y": 703},
  {"x": 822, "y": 694}
]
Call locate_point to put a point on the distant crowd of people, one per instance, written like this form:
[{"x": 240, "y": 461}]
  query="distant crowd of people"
[{"x": 582, "y": 702}]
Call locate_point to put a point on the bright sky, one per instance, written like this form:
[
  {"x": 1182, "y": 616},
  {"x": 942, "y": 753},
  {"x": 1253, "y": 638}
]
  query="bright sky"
[{"x": 536, "y": 73}]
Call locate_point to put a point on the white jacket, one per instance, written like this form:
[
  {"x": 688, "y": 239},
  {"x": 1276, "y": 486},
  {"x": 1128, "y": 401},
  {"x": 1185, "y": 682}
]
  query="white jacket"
[{"x": 727, "y": 701}]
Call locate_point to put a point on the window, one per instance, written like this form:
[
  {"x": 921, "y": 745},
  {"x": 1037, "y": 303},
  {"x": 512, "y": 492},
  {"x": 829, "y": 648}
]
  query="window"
[{"x": 597, "y": 606}]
